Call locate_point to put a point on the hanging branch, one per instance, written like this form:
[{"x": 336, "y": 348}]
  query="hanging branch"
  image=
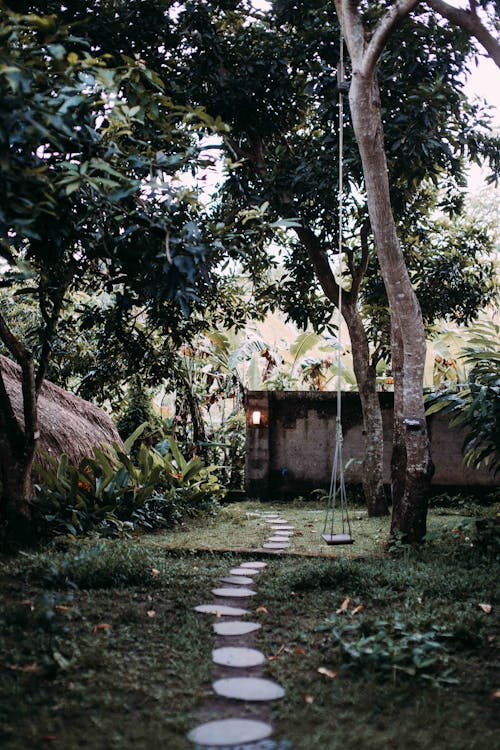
[
  {"x": 382, "y": 32},
  {"x": 469, "y": 21}
]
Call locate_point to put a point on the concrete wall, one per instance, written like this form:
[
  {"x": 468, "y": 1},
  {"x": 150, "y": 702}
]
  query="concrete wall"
[{"x": 290, "y": 452}]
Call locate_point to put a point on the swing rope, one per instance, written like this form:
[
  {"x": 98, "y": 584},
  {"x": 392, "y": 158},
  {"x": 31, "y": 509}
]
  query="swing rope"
[{"x": 337, "y": 492}]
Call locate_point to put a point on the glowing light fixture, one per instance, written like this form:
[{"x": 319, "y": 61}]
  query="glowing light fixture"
[{"x": 256, "y": 415}]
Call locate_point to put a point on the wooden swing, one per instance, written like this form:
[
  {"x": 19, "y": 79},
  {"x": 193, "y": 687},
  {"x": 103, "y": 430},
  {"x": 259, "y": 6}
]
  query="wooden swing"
[{"x": 337, "y": 494}]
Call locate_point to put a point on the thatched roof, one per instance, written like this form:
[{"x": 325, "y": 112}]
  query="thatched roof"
[{"x": 67, "y": 424}]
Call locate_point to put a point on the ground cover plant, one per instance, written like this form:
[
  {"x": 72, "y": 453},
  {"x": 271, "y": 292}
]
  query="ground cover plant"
[{"x": 99, "y": 645}]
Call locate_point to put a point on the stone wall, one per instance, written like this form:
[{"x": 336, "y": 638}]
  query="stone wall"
[{"x": 290, "y": 452}]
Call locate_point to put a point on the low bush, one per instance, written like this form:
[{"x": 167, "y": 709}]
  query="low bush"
[{"x": 112, "y": 493}]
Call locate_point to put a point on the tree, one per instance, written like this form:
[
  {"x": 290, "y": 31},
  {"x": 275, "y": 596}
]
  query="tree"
[
  {"x": 90, "y": 197},
  {"x": 273, "y": 81},
  {"x": 411, "y": 465}
]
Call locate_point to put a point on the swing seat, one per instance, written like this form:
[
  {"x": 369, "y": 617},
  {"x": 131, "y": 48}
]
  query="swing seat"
[{"x": 338, "y": 538}]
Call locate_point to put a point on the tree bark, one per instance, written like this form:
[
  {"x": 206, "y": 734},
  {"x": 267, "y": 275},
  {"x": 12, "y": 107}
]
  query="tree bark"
[
  {"x": 373, "y": 461},
  {"x": 409, "y": 506}
]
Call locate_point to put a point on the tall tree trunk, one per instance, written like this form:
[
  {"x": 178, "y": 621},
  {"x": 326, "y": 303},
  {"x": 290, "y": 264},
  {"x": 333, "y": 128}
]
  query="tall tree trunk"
[
  {"x": 373, "y": 481},
  {"x": 409, "y": 504},
  {"x": 373, "y": 466},
  {"x": 17, "y": 490}
]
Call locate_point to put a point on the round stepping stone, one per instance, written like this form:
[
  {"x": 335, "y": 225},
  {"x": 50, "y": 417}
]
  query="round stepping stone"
[
  {"x": 255, "y": 565},
  {"x": 248, "y": 689},
  {"x": 275, "y": 545},
  {"x": 226, "y": 732},
  {"x": 241, "y": 658},
  {"x": 220, "y": 609},
  {"x": 231, "y": 592},
  {"x": 240, "y": 580},
  {"x": 283, "y": 534},
  {"x": 236, "y": 627},
  {"x": 283, "y": 528},
  {"x": 281, "y": 539},
  {"x": 243, "y": 572}
]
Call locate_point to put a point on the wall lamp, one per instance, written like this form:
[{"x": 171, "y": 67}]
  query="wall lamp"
[{"x": 256, "y": 417}]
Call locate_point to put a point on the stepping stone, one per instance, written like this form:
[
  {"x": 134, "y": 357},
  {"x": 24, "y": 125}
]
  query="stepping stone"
[
  {"x": 243, "y": 572},
  {"x": 278, "y": 520},
  {"x": 220, "y": 609},
  {"x": 248, "y": 689},
  {"x": 283, "y": 534},
  {"x": 282, "y": 539},
  {"x": 226, "y": 732},
  {"x": 236, "y": 627},
  {"x": 240, "y": 658},
  {"x": 283, "y": 528},
  {"x": 230, "y": 592},
  {"x": 255, "y": 565},
  {"x": 275, "y": 545},
  {"x": 240, "y": 580}
]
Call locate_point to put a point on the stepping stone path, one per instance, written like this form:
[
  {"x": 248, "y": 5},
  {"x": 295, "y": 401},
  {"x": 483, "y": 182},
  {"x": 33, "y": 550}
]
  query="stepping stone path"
[
  {"x": 230, "y": 732},
  {"x": 221, "y": 609},
  {"x": 243, "y": 571},
  {"x": 249, "y": 689},
  {"x": 230, "y": 592},
  {"x": 239, "y": 731},
  {"x": 240, "y": 580},
  {"x": 232, "y": 656},
  {"x": 235, "y": 627}
]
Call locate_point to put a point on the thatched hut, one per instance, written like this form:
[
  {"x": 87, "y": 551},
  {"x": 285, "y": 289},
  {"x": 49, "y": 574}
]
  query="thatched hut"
[{"x": 67, "y": 424}]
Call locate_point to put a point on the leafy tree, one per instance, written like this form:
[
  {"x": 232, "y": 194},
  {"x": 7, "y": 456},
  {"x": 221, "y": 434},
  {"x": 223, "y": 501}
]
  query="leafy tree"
[
  {"x": 90, "y": 194},
  {"x": 273, "y": 81},
  {"x": 476, "y": 404},
  {"x": 367, "y": 39}
]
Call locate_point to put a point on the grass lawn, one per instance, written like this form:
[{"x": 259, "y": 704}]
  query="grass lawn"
[{"x": 100, "y": 647}]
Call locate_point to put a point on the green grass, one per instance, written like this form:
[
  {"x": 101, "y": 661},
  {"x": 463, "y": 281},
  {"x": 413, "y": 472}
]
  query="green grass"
[
  {"x": 100, "y": 647},
  {"x": 238, "y": 527}
]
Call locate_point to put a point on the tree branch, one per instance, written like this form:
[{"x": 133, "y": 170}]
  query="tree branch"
[
  {"x": 321, "y": 264},
  {"x": 396, "y": 12},
  {"x": 24, "y": 358},
  {"x": 358, "y": 274},
  {"x": 7, "y": 415},
  {"x": 469, "y": 21},
  {"x": 50, "y": 326}
]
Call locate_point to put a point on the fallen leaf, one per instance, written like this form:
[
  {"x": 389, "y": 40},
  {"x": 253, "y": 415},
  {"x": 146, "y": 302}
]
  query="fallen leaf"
[
  {"x": 309, "y": 699},
  {"x": 327, "y": 672},
  {"x": 49, "y": 738},
  {"x": 496, "y": 694},
  {"x": 485, "y": 607},
  {"x": 261, "y": 609},
  {"x": 299, "y": 650},
  {"x": 151, "y": 613},
  {"x": 344, "y": 606},
  {"x": 155, "y": 572},
  {"x": 357, "y": 609},
  {"x": 273, "y": 658},
  {"x": 61, "y": 607},
  {"x": 28, "y": 668},
  {"x": 102, "y": 626}
]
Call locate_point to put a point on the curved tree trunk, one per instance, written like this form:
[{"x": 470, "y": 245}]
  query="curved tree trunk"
[
  {"x": 409, "y": 497},
  {"x": 373, "y": 482},
  {"x": 373, "y": 485}
]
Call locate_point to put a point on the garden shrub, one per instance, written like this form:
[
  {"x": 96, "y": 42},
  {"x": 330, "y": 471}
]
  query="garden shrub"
[{"x": 111, "y": 493}]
